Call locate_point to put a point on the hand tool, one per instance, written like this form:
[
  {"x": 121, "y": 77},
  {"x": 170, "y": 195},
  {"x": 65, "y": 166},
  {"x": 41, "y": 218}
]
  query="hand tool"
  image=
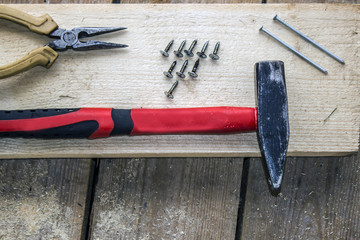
[
  {"x": 66, "y": 39},
  {"x": 269, "y": 119}
]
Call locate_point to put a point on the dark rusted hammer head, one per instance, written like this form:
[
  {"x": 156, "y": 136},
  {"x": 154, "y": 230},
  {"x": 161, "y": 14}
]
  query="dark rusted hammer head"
[{"x": 273, "y": 119}]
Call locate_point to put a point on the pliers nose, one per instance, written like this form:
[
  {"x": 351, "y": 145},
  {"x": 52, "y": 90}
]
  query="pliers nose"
[
  {"x": 70, "y": 39},
  {"x": 66, "y": 39}
]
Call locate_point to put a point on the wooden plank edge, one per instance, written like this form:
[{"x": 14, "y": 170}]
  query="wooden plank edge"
[{"x": 166, "y": 154}]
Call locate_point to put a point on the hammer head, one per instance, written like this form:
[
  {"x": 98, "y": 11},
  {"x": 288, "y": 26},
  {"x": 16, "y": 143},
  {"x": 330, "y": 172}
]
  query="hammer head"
[{"x": 273, "y": 119}]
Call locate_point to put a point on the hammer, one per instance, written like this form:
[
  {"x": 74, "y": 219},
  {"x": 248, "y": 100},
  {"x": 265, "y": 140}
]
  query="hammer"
[{"x": 269, "y": 119}]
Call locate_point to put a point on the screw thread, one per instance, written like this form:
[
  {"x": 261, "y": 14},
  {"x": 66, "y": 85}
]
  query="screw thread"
[
  {"x": 216, "y": 49},
  {"x": 195, "y": 66},
  {"x": 205, "y": 46},
  {"x": 192, "y": 45},
  {"x": 169, "y": 46},
  {"x": 173, "y": 87},
  {"x": 172, "y": 67},
  {"x": 182, "y": 46},
  {"x": 184, "y": 66}
]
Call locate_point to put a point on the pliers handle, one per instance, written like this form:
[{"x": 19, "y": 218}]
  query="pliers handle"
[
  {"x": 41, "y": 25},
  {"x": 43, "y": 56},
  {"x": 65, "y": 39}
]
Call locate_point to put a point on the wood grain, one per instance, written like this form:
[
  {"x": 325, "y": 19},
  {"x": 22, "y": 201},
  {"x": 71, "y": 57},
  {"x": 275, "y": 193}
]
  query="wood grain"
[
  {"x": 132, "y": 77},
  {"x": 166, "y": 199},
  {"x": 319, "y": 200},
  {"x": 43, "y": 198}
]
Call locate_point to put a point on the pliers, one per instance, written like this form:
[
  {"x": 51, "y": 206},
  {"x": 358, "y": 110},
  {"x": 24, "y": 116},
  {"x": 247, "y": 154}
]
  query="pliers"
[{"x": 65, "y": 39}]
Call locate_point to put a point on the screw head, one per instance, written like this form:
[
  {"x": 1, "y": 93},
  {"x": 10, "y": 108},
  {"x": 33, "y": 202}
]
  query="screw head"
[
  {"x": 178, "y": 54},
  {"x": 169, "y": 95},
  {"x": 193, "y": 75},
  {"x": 214, "y": 56},
  {"x": 189, "y": 53},
  {"x": 201, "y": 54},
  {"x": 180, "y": 74},
  {"x": 165, "y": 54},
  {"x": 167, "y": 74}
]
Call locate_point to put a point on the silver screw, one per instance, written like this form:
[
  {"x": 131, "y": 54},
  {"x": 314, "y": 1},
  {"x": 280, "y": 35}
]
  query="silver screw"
[
  {"x": 276, "y": 18},
  {"x": 169, "y": 93},
  {"x": 181, "y": 72},
  {"x": 178, "y": 52},
  {"x": 165, "y": 51},
  {"x": 293, "y": 50},
  {"x": 168, "y": 73},
  {"x": 193, "y": 71},
  {"x": 189, "y": 51},
  {"x": 214, "y": 55},
  {"x": 202, "y": 53}
]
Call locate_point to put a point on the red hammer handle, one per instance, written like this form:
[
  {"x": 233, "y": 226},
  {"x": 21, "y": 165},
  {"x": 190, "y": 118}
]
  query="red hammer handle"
[
  {"x": 193, "y": 120},
  {"x": 104, "y": 122}
]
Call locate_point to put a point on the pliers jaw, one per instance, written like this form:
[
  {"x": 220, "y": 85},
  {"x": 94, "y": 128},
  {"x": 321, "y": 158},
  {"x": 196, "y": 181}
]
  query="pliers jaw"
[{"x": 70, "y": 39}]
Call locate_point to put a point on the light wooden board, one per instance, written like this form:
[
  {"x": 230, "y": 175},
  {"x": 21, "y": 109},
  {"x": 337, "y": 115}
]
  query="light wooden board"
[
  {"x": 133, "y": 77},
  {"x": 319, "y": 200},
  {"x": 43, "y": 199},
  {"x": 166, "y": 198}
]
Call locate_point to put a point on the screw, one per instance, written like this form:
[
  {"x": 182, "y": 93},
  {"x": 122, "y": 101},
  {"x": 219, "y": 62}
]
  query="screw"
[
  {"x": 214, "y": 55},
  {"x": 193, "y": 71},
  {"x": 202, "y": 53},
  {"x": 181, "y": 72},
  {"x": 293, "y": 50},
  {"x": 276, "y": 18},
  {"x": 189, "y": 51},
  {"x": 178, "y": 52},
  {"x": 168, "y": 73},
  {"x": 169, "y": 93},
  {"x": 165, "y": 51}
]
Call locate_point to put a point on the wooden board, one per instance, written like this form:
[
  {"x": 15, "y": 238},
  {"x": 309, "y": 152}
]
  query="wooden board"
[
  {"x": 166, "y": 198},
  {"x": 43, "y": 199},
  {"x": 324, "y": 109},
  {"x": 319, "y": 200}
]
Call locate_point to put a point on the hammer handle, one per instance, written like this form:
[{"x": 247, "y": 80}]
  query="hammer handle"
[{"x": 104, "y": 122}]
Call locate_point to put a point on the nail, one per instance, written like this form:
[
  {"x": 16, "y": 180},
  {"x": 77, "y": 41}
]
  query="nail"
[
  {"x": 168, "y": 73},
  {"x": 202, "y": 53},
  {"x": 181, "y": 72},
  {"x": 178, "y": 52},
  {"x": 214, "y": 55},
  {"x": 165, "y": 51},
  {"x": 193, "y": 71},
  {"x": 189, "y": 51},
  {"x": 276, "y": 18},
  {"x": 169, "y": 93},
  {"x": 293, "y": 50}
]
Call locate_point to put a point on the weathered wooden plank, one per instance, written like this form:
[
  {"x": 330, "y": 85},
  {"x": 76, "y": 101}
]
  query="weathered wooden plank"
[
  {"x": 190, "y": 1},
  {"x": 312, "y": 1},
  {"x": 133, "y": 77},
  {"x": 43, "y": 198},
  {"x": 166, "y": 199},
  {"x": 55, "y": 1},
  {"x": 319, "y": 200}
]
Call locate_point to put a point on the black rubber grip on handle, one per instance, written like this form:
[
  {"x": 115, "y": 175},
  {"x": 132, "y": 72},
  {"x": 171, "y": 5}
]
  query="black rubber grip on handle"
[{"x": 65, "y": 123}]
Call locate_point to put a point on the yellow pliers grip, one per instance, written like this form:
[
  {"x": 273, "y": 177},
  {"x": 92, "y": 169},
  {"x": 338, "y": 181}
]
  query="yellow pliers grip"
[
  {"x": 42, "y": 25},
  {"x": 44, "y": 56}
]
